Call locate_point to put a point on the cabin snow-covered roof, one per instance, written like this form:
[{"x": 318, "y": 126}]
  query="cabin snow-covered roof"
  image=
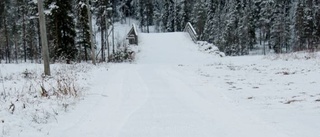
[{"x": 133, "y": 30}]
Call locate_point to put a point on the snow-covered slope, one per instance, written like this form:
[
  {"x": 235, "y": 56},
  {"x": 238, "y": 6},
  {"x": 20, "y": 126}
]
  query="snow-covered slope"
[{"x": 169, "y": 48}]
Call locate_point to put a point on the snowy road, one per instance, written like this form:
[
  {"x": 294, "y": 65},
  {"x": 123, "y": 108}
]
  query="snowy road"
[{"x": 154, "y": 98}]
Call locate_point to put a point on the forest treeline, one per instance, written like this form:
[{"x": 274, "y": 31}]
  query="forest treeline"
[
  {"x": 235, "y": 26},
  {"x": 240, "y": 26}
]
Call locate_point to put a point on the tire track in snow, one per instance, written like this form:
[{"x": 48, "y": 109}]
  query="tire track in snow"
[
  {"x": 163, "y": 114},
  {"x": 91, "y": 122},
  {"x": 134, "y": 95}
]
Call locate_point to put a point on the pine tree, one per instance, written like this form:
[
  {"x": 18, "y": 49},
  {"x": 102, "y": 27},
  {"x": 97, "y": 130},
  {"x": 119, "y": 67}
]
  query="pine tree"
[
  {"x": 242, "y": 10},
  {"x": 62, "y": 30},
  {"x": 142, "y": 14},
  {"x": 149, "y": 14},
  {"x": 7, "y": 9},
  {"x": 309, "y": 24},
  {"x": 166, "y": 16},
  {"x": 280, "y": 27},
  {"x": 317, "y": 24},
  {"x": 277, "y": 29},
  {"x": 210, "y": 25},
  {"x": 157, "y": 16},
  {"x": 299, "y": 26},
  {"x": 83, "y": 34},
  {"x": 178, "y": 27},
  {"x": 32, "y": 35},
  {"x": 199, "y": 17},
  {"x": 265, "y": 22},
  {"x": 186, "y": 6},
  {"x": 170, "y": 27},
  {"x": 251, "y": 11}
]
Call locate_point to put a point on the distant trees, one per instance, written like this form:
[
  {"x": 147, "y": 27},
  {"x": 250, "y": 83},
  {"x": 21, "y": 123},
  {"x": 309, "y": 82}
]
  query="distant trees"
[
  {"x": 67, "y": 27},
  {"x": 238, "y": 26},
  {"x": 235, "y": 26}
]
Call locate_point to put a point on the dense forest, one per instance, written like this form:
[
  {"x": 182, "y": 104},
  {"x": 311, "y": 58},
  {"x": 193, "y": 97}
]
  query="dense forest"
[{"x": 235, "y": 26}]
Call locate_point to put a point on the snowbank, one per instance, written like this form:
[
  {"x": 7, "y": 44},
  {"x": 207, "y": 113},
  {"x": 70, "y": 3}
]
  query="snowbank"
[{"x": 209, "y": 48}]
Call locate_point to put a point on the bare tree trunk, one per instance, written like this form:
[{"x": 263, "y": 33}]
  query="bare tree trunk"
[
  {"x": 93, "y": 52},
  {"x": 85, "y": 53},
  {"x": 102, "y": 45},
  {"x": 8, "y": 60},
  {"x": 24, "y": 37},
  {"x": 44, "y": 41},
  {"x": 38, "y": 46},
  {"x": 113, "y": 49},
  {"x": 107, "y": 39},
  {"x": 264, "y": 42},
  {"x": 31, "y": 50},
  {"x": 16, "y": 48}
]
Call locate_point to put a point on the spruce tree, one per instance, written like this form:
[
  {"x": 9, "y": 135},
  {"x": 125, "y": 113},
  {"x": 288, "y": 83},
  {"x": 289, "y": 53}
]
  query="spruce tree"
[
  {"x": 62, "y": 30},
  {"x": 317, "y": 24},
  {"x": 265, "y": 23},
  {"x": 252, "y": 24},
  {"x": 149, "y": 14},
  {"x": 209, "y": 28},
  {"x": 299, "y": 26},
  {"x": 142, "y": 14},
  {"x": 186, "y": 6},
  {"x": 309, "y": 24},
  {"x": 171, "y": 17},
  {"x": 165, "y": 16},
  {"x": 199, "y": 17},
  {"x": 83, "y": 35}
]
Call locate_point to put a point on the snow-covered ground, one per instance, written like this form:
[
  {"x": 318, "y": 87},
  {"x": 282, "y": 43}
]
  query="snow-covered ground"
[
  {"x": 174, "y": 89},
  {"x": 30, "y": 102}
]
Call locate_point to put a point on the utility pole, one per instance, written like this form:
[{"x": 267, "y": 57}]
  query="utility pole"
[
  {"x": 44, "y": 41},
  {"x": 93, "y": 52}
]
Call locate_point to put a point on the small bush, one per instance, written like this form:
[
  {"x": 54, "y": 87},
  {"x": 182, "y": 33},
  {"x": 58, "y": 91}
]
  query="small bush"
[{"x": 123, "y": 54}]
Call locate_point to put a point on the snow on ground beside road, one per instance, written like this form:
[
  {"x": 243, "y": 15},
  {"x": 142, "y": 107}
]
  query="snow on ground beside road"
[
  {"x": 175, "y": 90},
  {"x": 25, "y": 108},
  {"x": 284, "y": 94}
]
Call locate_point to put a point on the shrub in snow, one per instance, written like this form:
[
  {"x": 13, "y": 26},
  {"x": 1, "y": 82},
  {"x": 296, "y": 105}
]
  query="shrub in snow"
[
  {"x": 28, "y": 99},
  {"x": 124, "y": 53},
  {"x": 209, "y": 48}
]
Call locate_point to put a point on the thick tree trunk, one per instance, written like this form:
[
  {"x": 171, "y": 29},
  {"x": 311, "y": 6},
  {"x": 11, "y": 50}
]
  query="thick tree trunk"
[{"x": 44, "y": 41}]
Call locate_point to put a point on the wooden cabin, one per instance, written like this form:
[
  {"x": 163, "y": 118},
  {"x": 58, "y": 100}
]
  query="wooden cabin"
[{"x": 132, "y": 36}]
